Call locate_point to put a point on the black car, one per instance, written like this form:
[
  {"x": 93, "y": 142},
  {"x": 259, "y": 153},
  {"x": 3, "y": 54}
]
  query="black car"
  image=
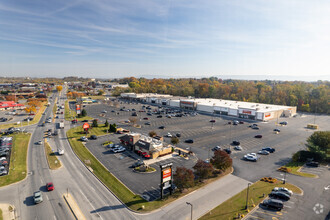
[
  {"x": 189, "y": 141},
  {"x": 178, "y": 134},
  {"x": 258, "y": 136},
  {"x": 137, "y": 164},
  {"x": 159, "y": 116},
  {"x": 255, "y": 127},
  {"x": 312, "y": 164},
  {"x": 227, "y": 150},
  {"x": 162, "y": 127},
  {"x": 85, "y": 121},
  {"x": 236, "y": 143},
  {"x": 279, "y": 195},
  {"x": 283, "y": 123},
  {"x": 273, "y": 204},
  {"x": 269, "y": 149},
  {"x": 93, "y": 137},
  {"x": 277, "y": 130},
  {"x": 134, "y": 114}
]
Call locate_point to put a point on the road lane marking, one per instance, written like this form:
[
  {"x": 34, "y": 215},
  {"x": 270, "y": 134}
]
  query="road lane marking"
[
  {"x": 255, "y": 217},
  {"x": 267, "y": 213}
]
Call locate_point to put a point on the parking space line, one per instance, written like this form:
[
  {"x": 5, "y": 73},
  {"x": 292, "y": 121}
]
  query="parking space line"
[
  {"x": 287, "y": 206},
  {"x": 268, "y": 213},
  {"x": 255, "y": 217}
]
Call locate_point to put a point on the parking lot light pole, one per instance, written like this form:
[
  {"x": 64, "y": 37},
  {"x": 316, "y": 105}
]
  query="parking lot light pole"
[
  {"x": 191, "y": 210},
  {"x": 247, "y": 196}
]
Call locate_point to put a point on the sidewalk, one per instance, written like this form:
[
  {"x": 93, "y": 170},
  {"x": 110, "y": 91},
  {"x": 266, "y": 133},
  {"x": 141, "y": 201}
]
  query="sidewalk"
[
  {"x": 203, "y": 200},
  {"x": 6, "y": 214}
]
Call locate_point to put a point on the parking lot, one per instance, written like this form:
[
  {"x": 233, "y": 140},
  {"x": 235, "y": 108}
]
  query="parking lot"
[
  {"x": 5, "y": 152},
  {"x": 206, "y": 135},
  {"x": 19, "y": 116}
]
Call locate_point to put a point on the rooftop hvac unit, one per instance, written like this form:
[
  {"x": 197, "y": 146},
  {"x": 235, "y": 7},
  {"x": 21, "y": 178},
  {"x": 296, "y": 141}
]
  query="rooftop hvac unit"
[{"x": 267, "y": 107}]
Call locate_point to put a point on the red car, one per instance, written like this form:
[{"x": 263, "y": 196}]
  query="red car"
[
  {"x": 50, "y": 186},
  {"x": 145, "y": 118},
  {"x": 212, "y": 120},
  {"x": 74, "y": 121}
]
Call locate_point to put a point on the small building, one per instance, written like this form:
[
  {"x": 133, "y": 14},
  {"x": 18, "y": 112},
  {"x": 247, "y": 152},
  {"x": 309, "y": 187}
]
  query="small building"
[{"x": 5, "y": 105}]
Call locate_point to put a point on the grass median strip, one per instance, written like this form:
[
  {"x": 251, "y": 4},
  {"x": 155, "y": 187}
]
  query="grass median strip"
[
  {"x": 133, "y": 201},
  {"x": 53, "y": 162},
  {"x": 236, "y": 204},
  {"x": 17, "y": 166},
  {"x": 71, "y": 114},
  {"x": 295, "y": 167}
]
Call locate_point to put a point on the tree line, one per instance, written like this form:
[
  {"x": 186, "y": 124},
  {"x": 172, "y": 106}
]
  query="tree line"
[{"x": 307, "y": 96}]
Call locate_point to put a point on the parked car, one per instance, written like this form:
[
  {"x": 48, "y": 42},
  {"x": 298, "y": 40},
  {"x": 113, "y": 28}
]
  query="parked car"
[
  {"x": 37, "y": 197},
  {"x": 83, "y": 138},
  {"x": 216, "y": 148},
  {"x": 3, "y": 162},
  {"x": 212, "y": 121},
  {"x": 178, "y": 134},
  {"x": 74, "y": 121},
  {"x": 3, "y": 153},
  {"x": 258, "y": 136},
  {"x": 137, "y": 164},
  {"x": 147, "y": 123},
  {"x": 273, "y": 204},
  {"x": 277, "y": 130},
  {"x": 85, "y": 121},
  {"x": 162, "y": 127},
  {"x": 251, "y": 157},
  {"x": 119, "y": 149},
  {"x": 104, "y": 111},
  {"x": 238, "y": 147},
  {"x": 269, "y": 149},
  {"x": 50, "y": 186},
  {"x": 241, "y": 122},
  {"x": 227, "y": 150},
  {"x": 263, "y": 152},
  {"x": 279, "y": 195},
  {"x": 189, "y": 141},
  {"x": 159, "y": 116},
  {"x": 3, "y": 172},
  {"x": 93, "y": 137},
  {"x": 283, "y": 189},
  {"x": 146, "y": 118},
  {"x": 169, "y": 135},
  {"x": 235, "y": 122},
  {"x": 312, "y": 164},
  {"x": 283, "y": 123},
  {"x": 236, "y": 142}
]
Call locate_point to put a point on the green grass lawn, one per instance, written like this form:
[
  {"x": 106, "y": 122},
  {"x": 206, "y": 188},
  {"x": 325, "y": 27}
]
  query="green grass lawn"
[
  {"x": 236, "y": 204},
  {"x": 97, "y": 97},
  {"x": 53, "y": 162},
  {"x": 25, "y": 123},
  {"x": 69, "y": 115},
  {"x": 18, "y": 163},
  {"x": 295, "y": 166},
  {"x": 1, "y": 218},
  {"x": 55, "y": 106},
  {"x": 133, "y": 201}
]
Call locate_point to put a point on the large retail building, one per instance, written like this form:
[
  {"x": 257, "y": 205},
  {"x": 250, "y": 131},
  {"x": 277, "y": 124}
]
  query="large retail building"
[{"x": 250, "y": 110}]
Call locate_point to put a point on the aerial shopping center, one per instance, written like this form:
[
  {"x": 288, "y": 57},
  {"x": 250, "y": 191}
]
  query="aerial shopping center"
[{"x": 249, "y": 110}]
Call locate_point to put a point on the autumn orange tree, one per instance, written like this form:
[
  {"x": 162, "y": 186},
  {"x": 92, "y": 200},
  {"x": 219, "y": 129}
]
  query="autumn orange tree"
[{"x": 59, "y": 88}]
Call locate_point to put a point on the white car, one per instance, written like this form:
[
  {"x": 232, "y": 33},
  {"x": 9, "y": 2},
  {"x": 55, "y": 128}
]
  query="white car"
[
  {"x": 60, "y": 151},
  {"x": 263, "y": 152},
  {"x": 39, "y": 142},
  {"x": 104, "y": 111},
  {"x": 283, "y": 189},
  {"x": 250, "y": 157},
  {"x": 3, "y": 158},
  {"x": 169, "y": 135},
  {"x": 83, "y": 138},
  {"x": 238, "y": 147},
  {"x": 120, "y": 149}
]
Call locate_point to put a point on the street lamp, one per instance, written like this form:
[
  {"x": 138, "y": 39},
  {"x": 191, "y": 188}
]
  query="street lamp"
[
  {"x": 247, "y": 196},
  {"x": 284, "y": 179},
  {"x": 191, "y": 210}
]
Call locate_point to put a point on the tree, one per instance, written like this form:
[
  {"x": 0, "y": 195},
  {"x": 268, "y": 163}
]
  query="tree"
[
  {"x": 203, "y": 170},
  {"x": 113, "y": 128},
  {"x": 59, "y": 88},
  {"x": 183, "y": 178},
  {"x": 106, "y": 123},
  {"x": 319, "y": 141},
  {"x": 101, "y": 92},
  {"x": 175, "y": 140},
  {"x": 95, "y": 124},
  {"x": 221, "y": 160},
  {"x": 83, "y": 113},
  {"x": 152, "y": 134}
]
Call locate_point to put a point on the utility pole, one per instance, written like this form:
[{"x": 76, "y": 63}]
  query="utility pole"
[{"x": 247, "y": 196}]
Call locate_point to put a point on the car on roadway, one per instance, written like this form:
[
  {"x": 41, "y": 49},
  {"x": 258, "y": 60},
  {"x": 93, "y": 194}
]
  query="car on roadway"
[
  {"x": 258, "y": 136},
  {"x": 189, "y": 141},
  {"x": 277, "y": 130},
  {"x": 238, "y": 147},
  {"x": 37, "y": 197},
  {"x": 273, "y": 204},
  {"x": 236, "y": 142},
  {"x": 216, "y": 148},
  {"x": 60, "y": 151},
  {"x": 279, "y": 195},
  {"x": 263, "y": 152},
  {"x": 83, "y": 138},
  {"x": 241, "y": 122},
  {"x": 39, "y": 142},
  {"x": 283, "y": 189},
  {"x": 50, "y": 186},
  {"x": 283, "y": 123},
  {"x": 235, "y": 122},
  {"x": 269, "y": 149},
  {"x": 255, "y": 127},
  {"x": 212, "y": 121}
]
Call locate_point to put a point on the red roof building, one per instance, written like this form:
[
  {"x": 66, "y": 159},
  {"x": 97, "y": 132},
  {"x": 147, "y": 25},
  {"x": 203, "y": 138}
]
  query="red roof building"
[{"x": 10, "y": 104}]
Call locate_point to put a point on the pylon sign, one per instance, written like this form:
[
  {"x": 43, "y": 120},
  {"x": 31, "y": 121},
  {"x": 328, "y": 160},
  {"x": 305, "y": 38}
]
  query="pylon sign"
[
  {"x": 166, "y": 178},
  {"x": 78, "y": 107}
]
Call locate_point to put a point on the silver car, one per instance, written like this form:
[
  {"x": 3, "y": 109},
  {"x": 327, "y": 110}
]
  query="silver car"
[{"x": 37, "y": 197}]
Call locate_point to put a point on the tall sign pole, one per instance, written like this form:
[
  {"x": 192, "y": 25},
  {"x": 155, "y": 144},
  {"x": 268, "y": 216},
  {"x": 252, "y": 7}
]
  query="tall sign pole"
[{"x": 166, "y": 178}]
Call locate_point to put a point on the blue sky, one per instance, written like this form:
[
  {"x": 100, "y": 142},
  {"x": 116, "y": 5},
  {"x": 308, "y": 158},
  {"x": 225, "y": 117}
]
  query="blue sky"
[{"x": 116, "y": 38}]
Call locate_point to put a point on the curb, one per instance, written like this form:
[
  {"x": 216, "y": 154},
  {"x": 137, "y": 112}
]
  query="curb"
[{"x": 67, "y": 203}]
